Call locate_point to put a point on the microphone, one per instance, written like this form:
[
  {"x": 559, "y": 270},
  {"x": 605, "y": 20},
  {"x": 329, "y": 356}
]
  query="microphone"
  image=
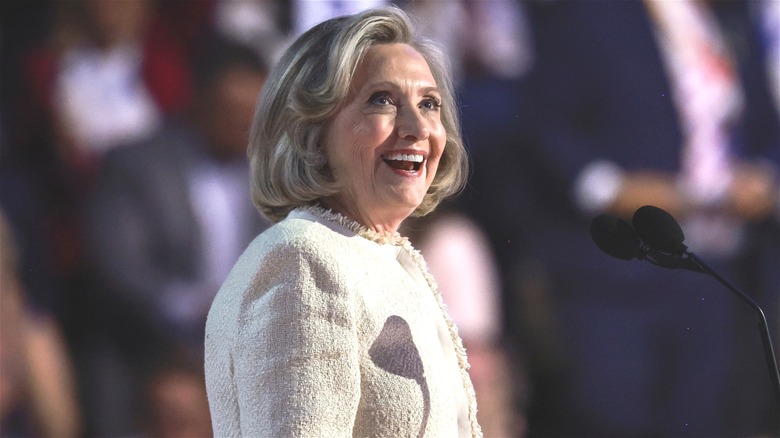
[
  {"x": 659, "y": 229},
  {"x": 658, "y": 238},
  {"x": 615, "y": 237}
]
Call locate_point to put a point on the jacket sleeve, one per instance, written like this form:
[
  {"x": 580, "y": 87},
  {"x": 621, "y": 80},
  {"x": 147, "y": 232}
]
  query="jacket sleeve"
[{"x": 296, "y": 364}]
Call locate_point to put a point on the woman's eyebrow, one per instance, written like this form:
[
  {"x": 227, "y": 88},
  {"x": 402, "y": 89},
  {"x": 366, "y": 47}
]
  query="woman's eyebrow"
[{"x": 399, "y": 86}]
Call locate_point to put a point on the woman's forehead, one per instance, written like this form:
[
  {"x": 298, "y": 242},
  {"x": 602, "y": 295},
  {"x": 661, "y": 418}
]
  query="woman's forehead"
[{"x": 394, "y": 64}]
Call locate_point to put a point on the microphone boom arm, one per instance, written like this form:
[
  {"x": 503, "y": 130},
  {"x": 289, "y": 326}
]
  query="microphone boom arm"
[{"x": 763, "y": 326}]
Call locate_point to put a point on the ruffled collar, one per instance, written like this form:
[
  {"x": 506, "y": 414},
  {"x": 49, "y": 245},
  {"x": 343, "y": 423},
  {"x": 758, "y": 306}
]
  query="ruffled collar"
[{"x": 388, "y": 238}]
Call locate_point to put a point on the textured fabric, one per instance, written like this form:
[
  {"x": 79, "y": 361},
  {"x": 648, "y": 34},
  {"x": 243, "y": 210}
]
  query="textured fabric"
[{"x": 319, "y": 331}]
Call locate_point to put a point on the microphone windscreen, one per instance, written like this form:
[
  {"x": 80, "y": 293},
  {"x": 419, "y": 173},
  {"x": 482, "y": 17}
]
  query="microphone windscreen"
[
  {"x": 659, "y": 230},
  {"x": 614, "y": 236}
]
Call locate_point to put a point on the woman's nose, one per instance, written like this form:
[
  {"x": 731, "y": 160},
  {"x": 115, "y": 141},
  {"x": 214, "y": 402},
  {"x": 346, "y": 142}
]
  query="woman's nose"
[{"x": 412, "y": 125}]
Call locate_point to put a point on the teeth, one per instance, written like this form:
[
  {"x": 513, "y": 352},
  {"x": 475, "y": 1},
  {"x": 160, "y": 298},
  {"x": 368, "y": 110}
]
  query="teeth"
[{"x": 415, "y": 158}]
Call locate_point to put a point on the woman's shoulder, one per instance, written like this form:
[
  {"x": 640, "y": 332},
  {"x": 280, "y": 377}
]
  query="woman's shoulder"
[
  {"x": 284, "y": 256},
  {"x": 296, "y": 250},
  {"x": 299, "y": 233},
  {"x": 302, "y": 229},
  {"x": 296, "y": 240}
]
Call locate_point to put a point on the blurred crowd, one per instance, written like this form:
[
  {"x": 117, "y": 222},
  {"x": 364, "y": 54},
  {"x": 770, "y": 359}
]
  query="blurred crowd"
[{"x": 124, "y": 202}]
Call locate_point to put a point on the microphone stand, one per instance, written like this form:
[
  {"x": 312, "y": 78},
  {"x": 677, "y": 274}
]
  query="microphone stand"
[
  {"x": 763, "y": 326},
  {"x": 675, "y": 255}
]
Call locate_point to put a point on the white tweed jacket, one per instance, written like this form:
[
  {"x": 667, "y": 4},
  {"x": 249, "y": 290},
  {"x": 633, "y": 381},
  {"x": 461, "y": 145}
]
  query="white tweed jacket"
[{"x": 325, "y": 329}]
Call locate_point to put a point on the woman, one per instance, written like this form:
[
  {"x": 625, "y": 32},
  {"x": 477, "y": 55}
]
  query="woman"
[{"x": 329, "y": 324}]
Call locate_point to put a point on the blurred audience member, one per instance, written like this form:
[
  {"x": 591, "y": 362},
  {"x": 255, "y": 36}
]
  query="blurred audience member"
[
  {"x": 175, "y": 403},
  {"x": 110, "y": 73},
  {"x": 37, "y": 384},
  {"x": 93, "y": 76},
  {"x": 168, "y": 218},
  {"x": 626, "y": 111},
  {"x": 766, "y": 12},
  {"x": 263, "y": 24}
]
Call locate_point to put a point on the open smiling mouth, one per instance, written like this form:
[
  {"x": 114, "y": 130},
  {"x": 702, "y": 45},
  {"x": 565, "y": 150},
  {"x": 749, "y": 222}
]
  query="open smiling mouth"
[{"x": 405, "y": 162}]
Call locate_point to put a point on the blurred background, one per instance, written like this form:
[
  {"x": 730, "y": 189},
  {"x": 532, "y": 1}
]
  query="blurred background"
[{"x": 124, "y": 202}]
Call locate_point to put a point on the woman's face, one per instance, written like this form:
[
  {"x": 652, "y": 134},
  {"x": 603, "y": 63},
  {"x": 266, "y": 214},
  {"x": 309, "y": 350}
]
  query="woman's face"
[{"x": 384, "y": 145}]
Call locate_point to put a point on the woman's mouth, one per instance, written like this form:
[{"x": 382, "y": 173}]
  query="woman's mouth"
[{"x": 405, "y": 162}]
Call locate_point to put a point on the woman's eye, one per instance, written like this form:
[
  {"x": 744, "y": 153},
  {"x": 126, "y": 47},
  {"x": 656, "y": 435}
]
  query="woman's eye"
[
  {"x": 431, "y": 104},
  {"x": 380, "y": 99}
]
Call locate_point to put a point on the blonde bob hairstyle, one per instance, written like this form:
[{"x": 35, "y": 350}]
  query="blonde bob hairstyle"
[{"x": 308, "y": 87}]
